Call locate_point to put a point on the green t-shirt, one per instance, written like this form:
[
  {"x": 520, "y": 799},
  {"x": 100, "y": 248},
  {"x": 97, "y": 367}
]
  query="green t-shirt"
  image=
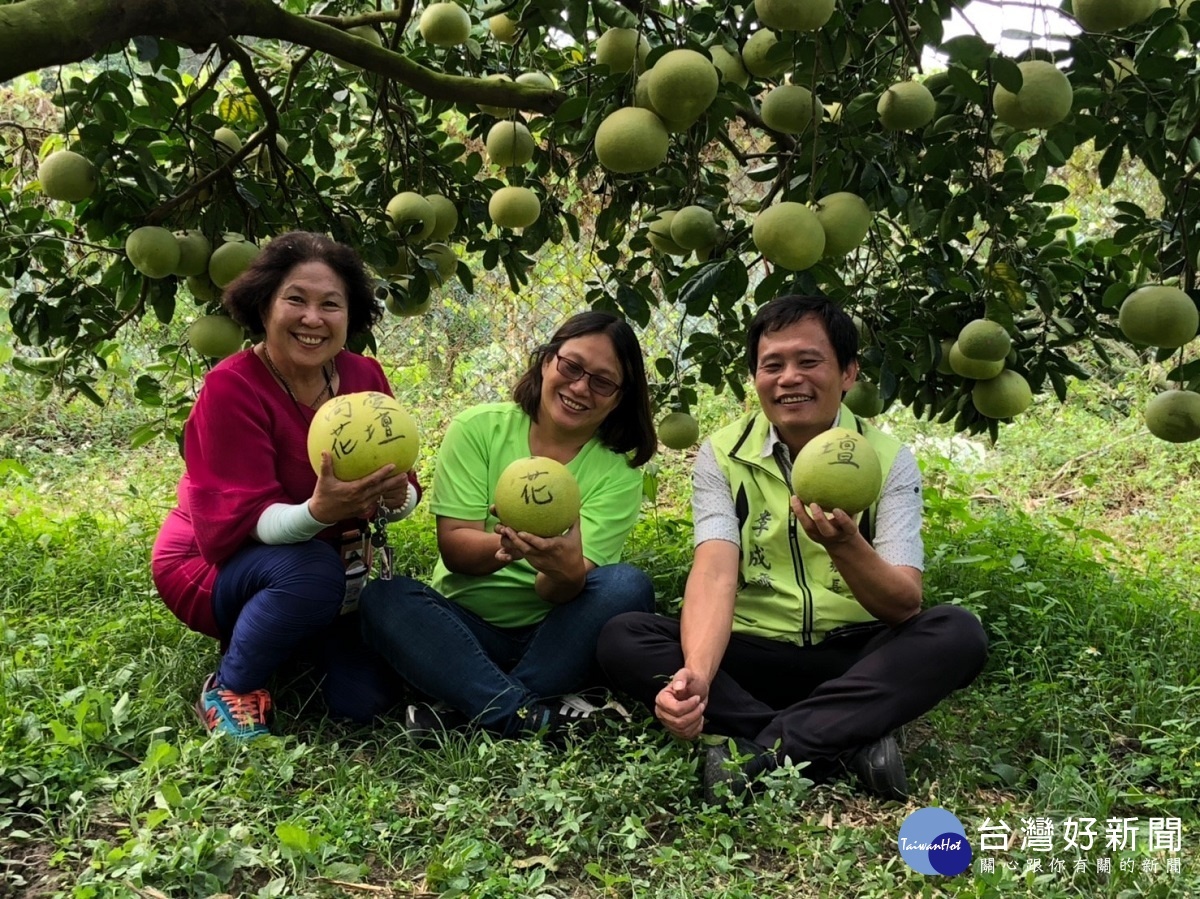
[{"x": 480, "y": 443}]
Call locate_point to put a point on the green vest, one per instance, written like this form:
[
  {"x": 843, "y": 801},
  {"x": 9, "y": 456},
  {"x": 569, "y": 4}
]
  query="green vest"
[{"x": 788, "y": 589}]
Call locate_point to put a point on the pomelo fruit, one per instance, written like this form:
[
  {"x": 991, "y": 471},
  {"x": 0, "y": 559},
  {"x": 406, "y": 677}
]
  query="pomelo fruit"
[
  {"x": 789, "y": 108},
  {"x": 906, "y": 106},
  {"x": 1174, "y": 416},
  {"x": 153, "y": 251},
  {"x": 837, "y": 469},
  {"x": 789, "y": 235},
  {"x": 509, "y": 144},
  {"x": 412, "y": 215},
  {"x": 445, "y": 24},
  {"x": 514, "y": 207},
  {"x": 794, "y": 15},
  {"x": 217, "y": 336},
  {"x": 362, "y": 432},
  {"x": 1043, "y": 101},
  {"x": 620, "y": 49},
  {"x": 678, "y": 430},
  {"x": 229, "y": 260},
  {"x": 984, "y": 340},
  {"x": 537, "y": 495},
  {"x": 631, "y": 140},
  {"x": 503, "y": 28},
  {"x": 659, "y": 233},
  {"x": 976, "y": 369},
  {"x": 683, "y": 84},
  {"x": 227, "y": 140},
  {"x": 755, "y": 55},
  {"x": 694, "y": 227},
  {"x": 943, "y": 364},
  {"x": 1158, "y": 315},
  {"x": 863, "y": 399},
  {"x": 65, "y": 175},
  {"x": 445, "y": 216},
  {"x": 845, "y": 218},
  {"x": 536, "y": 79},
  {"x": 444, "y": 259},
  {"x": 400, "y": 302},
  {"x": 1110, "y": 15},
  {"x": 203, "y": 289},
  {"x": 194, "y": 250},
  {"x": 729, "y": 65},
  {"x": 366, "y": 33},
  {"x": 1003, "y": 396}
]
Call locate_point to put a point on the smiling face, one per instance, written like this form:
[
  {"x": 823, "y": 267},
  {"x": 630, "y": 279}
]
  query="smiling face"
[
  {"x": 574, "y": 407},
  {"x": 798, "y": 380},
  {"x": 307, "y": 319}
]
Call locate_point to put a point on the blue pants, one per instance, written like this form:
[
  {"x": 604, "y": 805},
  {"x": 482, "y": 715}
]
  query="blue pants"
[
  {"x": 274, "y": 604},
  {"x": 493, "y": 674}
]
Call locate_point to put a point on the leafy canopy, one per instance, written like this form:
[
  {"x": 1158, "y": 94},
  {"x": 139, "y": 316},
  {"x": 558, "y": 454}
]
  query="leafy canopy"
[{"x": 968, "y": 221}]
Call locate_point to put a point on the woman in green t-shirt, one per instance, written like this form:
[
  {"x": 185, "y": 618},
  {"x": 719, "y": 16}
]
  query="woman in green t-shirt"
[{"x": 507, "y": 629}]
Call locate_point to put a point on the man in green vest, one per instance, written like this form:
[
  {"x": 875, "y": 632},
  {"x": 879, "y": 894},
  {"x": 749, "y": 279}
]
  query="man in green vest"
[{"x": 802, "y": 635}]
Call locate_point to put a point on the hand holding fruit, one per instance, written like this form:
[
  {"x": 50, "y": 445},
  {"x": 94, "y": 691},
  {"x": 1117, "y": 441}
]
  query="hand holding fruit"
[
  {"x": 558, "y": 557},
  {"x": 396, "y": 497},
  {"x": 822, "y": 527},
  {"x": 335, "y": 499}
]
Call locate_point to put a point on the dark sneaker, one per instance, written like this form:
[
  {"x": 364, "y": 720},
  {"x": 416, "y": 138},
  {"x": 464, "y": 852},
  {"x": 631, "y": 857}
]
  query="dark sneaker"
[
  {"x": 243, "y": 716},
  {"x": 572, "y": 715},
  {"x": 736, "y": 763},
  {"x": 880, "y": 769},
  {"x": 428, "y": 723}
]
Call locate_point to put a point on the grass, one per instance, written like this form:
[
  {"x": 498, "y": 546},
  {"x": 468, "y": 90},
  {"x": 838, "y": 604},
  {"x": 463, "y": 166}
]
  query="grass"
[{"x": 1066, "y": 539}]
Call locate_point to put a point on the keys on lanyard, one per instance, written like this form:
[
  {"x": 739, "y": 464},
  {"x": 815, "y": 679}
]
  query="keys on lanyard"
[{"x": 379, "y": 540}]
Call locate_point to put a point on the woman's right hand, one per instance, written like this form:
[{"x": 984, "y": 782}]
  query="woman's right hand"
[{"x": 335, "y": 499}]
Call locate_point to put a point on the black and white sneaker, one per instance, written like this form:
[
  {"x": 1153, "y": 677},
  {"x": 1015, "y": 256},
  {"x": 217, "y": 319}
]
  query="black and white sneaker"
[
  {"x": 427, "y": 724},
  {"x": 572, "y": 715}
]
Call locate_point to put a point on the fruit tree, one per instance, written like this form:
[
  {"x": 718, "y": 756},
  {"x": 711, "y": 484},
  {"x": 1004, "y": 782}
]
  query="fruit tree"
[{"x": 708, "y": 155}]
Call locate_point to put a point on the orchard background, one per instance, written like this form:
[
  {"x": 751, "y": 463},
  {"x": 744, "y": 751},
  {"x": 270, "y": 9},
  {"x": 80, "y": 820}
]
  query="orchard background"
[{"x": 1070, "y": 536}]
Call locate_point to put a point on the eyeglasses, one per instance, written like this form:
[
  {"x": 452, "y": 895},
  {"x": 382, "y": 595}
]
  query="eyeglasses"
[{"x": 573, "y": 371}]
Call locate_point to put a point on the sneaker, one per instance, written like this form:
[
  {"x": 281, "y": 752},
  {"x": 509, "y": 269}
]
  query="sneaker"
[
  {"x": 880, "y": 769},
  {"x": 243, "y": 716},
  {"x": 736, "y": 763},
  {"x": 427, "y": 723},
  {"x": 572, "y": 715}
]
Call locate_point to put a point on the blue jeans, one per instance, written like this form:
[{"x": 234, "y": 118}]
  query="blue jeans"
[
  {"x": 494, "y": 674},
  {"x": 274, "y": 604}
]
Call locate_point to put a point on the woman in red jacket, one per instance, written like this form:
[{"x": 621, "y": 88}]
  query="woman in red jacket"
[{"x": 257, "y": 552}]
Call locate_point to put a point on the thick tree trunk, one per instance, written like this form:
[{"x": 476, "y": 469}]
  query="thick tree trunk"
[{"x": 36, "y": 34}]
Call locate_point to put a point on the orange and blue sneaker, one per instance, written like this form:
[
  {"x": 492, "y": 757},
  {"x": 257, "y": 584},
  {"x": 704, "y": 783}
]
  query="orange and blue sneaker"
[{"x": 243, "y": 716}]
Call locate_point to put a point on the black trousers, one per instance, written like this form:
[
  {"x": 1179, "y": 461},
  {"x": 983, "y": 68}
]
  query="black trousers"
[{"x": 816, "y": 703}]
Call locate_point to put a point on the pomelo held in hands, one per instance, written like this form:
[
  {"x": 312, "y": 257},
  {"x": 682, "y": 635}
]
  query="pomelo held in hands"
[
  {"x": 362, "y": 432},
  {"x": 837, "y": 469},
  {"x": 537, "y": 495}
]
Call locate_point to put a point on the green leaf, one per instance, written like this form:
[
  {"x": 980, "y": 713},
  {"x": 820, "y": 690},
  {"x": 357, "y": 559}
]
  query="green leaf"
[
  {"x": 1051, "y": 193},
  {"x": 969, "y": 50},
  {"x": 1006, "y": 72},
  {"x": 572, "y": 109},
  {"x": 1110, "y": 163},
  {"x": 614, "y": 15}
]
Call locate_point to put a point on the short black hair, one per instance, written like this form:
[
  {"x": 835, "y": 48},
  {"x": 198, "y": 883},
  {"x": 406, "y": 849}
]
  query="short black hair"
[
  {"x": 787, "y": 310},
  {"x": 249, "y": 296},
  {"x": 630, "y": 425}
]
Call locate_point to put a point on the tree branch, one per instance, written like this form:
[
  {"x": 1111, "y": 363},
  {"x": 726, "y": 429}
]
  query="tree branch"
[{"x": 36, "y": 34}]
